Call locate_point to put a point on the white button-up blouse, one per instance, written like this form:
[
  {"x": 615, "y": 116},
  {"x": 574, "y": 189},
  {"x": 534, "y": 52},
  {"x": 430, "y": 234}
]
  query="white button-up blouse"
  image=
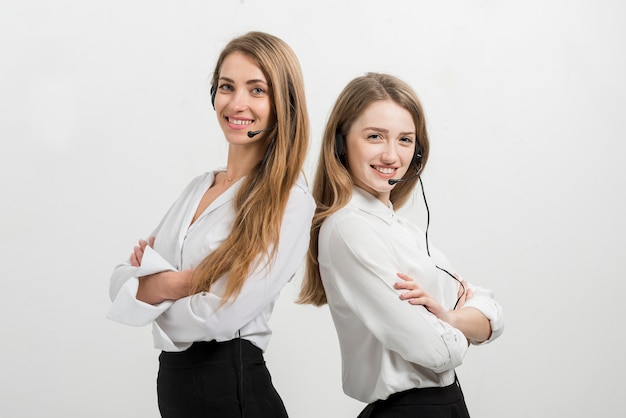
[
  {"x": 179, "y": 246},
  {"x": 388, "y": 345}
]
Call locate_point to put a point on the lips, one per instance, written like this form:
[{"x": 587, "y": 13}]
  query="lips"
[{"x": 237, "y": 124}]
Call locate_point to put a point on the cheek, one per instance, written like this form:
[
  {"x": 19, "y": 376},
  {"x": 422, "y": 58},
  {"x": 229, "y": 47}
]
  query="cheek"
[
  {"x": 354, "y": 162},
  {"x": 407, "y": 156},
  {"x": 265, "y": 109},
  {"x": 220, "y": 104}
]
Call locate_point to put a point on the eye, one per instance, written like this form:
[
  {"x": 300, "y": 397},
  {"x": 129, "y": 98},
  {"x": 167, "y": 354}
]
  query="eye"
[
  {"x": 225, "y": 87},
  {"x": 406, "y": 140},
  {"x": 258, "y": 91},
  {"x": 374, "y": 136}
]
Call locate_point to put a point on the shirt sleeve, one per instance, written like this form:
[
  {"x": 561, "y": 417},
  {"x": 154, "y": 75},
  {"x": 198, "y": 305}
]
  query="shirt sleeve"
[
  {"x": 124, "y": 282},
  {"x": 482, "y": 300},
  {"x": 200, "y": 316},
  {"x": 361, "y": 268},
  {"x": 126, "y": 308}
]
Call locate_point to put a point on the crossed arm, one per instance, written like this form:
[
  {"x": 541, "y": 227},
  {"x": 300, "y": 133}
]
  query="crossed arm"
[
  {"x": 158, "y": 287},
  {"x": 470, "y": 321}
]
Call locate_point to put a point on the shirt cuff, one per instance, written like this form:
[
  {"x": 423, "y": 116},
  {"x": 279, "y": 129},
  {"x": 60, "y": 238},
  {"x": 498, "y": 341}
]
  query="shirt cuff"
[
  {"x": 457, "y": 346},
  {"x": 492, "y": 311},
  {"x": 126, "y": 308},
  {"x": 129, "y": 310},
  {"x": 152, "y": 262}
]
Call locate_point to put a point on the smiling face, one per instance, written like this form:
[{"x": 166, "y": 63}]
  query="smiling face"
[
  {"x": 380, "y": 146},
  {"x": 242, "y": 100}
]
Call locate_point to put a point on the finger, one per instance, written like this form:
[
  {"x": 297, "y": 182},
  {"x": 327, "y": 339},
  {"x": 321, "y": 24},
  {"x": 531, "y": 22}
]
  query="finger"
[
  {"x": 418, "y": 300},
  {"x": 138, "y": 254},
  {"x": 462, "y": 288},
  {"x": 468, "y": 291},
  {"x": 142, "y": 244},
  {"x": 412, "y": 294},
  {"x": 416, "y": 293},
  {"x": 133, "y": 260},
  {"x": 404, "y": 277},
  {"x": 151, "y": 241},
  {"x": 406, "y": 285},
  {"x": 426, "y": 302}
]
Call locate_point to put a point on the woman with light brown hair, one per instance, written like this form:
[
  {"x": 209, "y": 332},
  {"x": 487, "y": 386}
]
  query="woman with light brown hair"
[
  {"x": 209, "y": 274},
  {"x": 403, "y": 316}
]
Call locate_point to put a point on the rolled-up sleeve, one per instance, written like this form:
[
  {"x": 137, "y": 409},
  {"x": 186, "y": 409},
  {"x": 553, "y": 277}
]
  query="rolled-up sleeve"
[
  {"x": 126, "y": 308},
  {"x": 484, "y": 301}
]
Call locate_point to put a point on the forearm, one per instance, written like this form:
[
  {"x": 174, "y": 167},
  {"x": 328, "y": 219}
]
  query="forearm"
[
  {"x": 472, "y": 323},
  {"x": 168, "y": 285}
]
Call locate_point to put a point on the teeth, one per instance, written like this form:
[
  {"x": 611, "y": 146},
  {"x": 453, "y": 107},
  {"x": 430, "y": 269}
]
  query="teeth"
[
  {"x": 240, "y": 122},
  {"x": 384, "y": 170}
]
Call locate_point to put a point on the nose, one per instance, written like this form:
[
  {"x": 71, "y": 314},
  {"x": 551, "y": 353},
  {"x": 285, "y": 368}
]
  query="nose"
[
  {"x": 390, "y": 152},
  {"x": 239, "y": 100}
]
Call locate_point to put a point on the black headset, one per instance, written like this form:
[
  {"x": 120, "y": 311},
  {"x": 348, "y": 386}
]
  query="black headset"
[{"x": 213, "y": 93}]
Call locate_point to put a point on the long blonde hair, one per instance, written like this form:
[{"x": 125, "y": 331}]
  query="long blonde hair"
[
  {"x": 261, "y": 200},
  {"x": 332, "y": 186}
]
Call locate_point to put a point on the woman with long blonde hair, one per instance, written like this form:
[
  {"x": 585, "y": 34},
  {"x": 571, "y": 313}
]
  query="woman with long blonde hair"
[
  {"x": 403, "y": 316},
  {"x": 209, "y": 274}
]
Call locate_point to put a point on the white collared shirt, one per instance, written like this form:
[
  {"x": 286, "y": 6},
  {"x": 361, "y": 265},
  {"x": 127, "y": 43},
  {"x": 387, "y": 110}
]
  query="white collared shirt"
[
  {"x": 388, "y": 345},
  {"x": 179, "y": 246}
]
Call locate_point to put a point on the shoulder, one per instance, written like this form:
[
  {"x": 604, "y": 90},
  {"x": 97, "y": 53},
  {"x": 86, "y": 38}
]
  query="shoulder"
[
  {"x": 300, "y": 194},
  {"x": 301, "y": 184},
  {"x": 349, "y": 225}
]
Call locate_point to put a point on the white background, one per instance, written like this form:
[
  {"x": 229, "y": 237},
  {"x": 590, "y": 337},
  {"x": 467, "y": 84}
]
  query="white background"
[{"x": 105, "y": 117}]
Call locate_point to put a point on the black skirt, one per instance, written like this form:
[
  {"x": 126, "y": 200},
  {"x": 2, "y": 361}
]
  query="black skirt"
[
  {"x": 221, "y": 380},
  {"x": 445, "y": 402}
]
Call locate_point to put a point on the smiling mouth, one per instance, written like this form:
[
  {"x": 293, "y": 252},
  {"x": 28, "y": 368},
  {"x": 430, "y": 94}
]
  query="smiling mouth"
[
  {"x": 239, "y": 121},
  {"x": 384, "y": 170}
]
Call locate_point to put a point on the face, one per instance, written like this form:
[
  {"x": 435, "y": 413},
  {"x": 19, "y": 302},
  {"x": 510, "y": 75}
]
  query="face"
[
  {"x": 242, "y": 99},
  {"x": 380, "y": 146}
]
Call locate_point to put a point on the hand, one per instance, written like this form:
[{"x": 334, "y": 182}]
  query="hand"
[
  {"x": 464, "y": 293},
  {"x": 137, "y": 254},
  {"x": 415, "y": 295}
]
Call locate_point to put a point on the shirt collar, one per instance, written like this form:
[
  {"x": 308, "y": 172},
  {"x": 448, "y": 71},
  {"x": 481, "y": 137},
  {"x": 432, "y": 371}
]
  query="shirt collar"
[
  {"x": 228, "y": 194},
  {"x": 368, "y": 203}
]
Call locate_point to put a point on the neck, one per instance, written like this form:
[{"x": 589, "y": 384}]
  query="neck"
[{"x": 241, "y": 161}]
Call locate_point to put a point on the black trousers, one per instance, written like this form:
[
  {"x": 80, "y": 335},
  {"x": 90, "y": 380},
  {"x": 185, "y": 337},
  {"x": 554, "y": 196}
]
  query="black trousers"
[
  {"x": 221, "y": 380},
  {"x": 446, "y": 402}
]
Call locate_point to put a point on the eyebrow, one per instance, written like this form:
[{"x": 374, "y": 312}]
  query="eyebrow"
[
  {"x": 385, "y": 131},
  {"x": 253, "y": 81}
]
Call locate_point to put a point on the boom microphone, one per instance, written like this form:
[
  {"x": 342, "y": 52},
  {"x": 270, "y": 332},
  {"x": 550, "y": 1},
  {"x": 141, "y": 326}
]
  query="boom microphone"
[
  {"x": 252, "y": 134},
  {"x": 417, "y": 174}
]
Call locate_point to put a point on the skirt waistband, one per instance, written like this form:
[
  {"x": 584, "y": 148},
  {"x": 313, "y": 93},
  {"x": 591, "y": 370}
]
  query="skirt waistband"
[
  {"x": 211, "y": 352},
  {"x": 427, "y": 396}
]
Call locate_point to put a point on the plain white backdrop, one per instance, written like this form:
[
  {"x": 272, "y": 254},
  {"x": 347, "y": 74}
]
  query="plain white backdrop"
[{"x": 105, "y": 117}]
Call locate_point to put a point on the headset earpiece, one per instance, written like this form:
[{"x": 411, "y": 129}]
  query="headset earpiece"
[
  {"x": 213, "y": 93},
  {"x": 340, "y": 145},
  {"x": 417, "y": 156}
]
